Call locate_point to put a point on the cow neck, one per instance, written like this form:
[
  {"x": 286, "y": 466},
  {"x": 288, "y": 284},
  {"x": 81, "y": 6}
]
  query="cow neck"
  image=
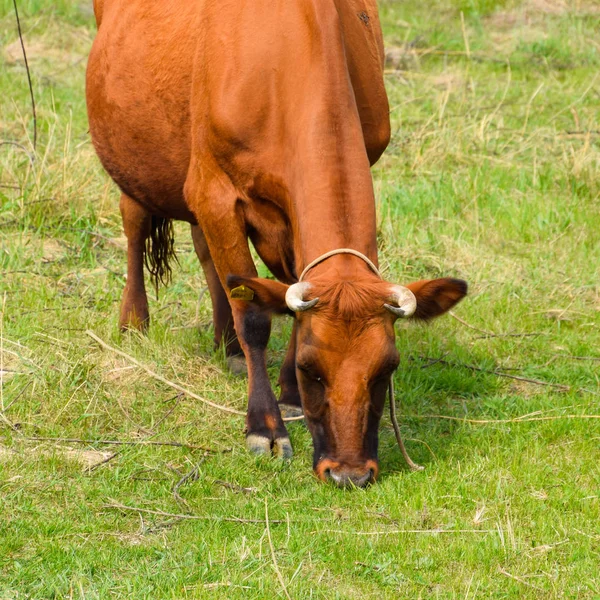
[{"x": 335, "y": 208}]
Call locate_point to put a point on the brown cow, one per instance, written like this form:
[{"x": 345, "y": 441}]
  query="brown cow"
[{"x": 260, "y": 120}]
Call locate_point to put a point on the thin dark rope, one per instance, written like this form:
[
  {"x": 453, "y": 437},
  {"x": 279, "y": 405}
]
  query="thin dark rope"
[{"x": 28, "y": 76}]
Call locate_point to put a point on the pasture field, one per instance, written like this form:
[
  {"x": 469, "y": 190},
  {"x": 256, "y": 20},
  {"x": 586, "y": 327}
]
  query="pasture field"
[{"x": 492, "y": 175}]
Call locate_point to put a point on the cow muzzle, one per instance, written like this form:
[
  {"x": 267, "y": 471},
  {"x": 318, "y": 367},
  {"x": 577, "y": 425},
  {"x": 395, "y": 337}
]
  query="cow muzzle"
[{"x": 345, "y": 476}]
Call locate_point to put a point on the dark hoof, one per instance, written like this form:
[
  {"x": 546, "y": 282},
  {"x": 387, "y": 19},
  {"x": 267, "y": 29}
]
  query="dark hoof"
[
  {"x": 289, "y": 411},
  {"x": 237, "y": 365},
  {"x": 282, "y": 448},
  {"x": 260, "y": 445}
]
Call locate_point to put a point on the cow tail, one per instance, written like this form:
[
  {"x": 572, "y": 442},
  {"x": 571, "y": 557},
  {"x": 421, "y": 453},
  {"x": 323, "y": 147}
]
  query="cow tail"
[{"x": 160, "y": 249}]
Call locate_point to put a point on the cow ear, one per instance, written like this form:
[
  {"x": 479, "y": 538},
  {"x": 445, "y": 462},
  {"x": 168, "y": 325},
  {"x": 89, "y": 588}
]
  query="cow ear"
[
  {"x": 437, "y": 296},
  {"x": 266, "y": 294}
]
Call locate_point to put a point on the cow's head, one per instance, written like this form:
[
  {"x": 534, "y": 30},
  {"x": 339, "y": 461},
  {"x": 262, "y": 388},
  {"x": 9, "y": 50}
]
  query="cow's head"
[{"x": 345, "y": 357}]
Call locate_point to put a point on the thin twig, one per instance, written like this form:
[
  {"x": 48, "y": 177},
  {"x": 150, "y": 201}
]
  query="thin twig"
[
  {"x": 510, "y": 335},
  {"x": 31, "y": 160},
  {"x": 160, "y": 513},
  {"x": 172, "y": 384},
  {"x": 160, "y": 526},
  {"x": 168, "y": 413},
  {"x": 500, "y": 421},
  {"x": 491, "y": 334},
  {"x": 234, "y": 487},
  {"x": 570, "y": 357},
  {"x": 275, "y": 565},
  {"x": 8, "y": 423},
  {"x": 191, "y": 476},
  {"x": 163, "y": 379},
  {"x": 520, "y": 580},
  {"x": 122, "y": 443},
  {"x": 28, "y": 75},
  {"x": 396, "y": 531},
  {"x": 560, "y": 386},
  {"x": 18, "y": 395},
  {"x": 484, "y": 331},
  {"x": 103, "y": 462},
  {"x": 130, "y": 419},
  {"x": 434, "y": 361}
]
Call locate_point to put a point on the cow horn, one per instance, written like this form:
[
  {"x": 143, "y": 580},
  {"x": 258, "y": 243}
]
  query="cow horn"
[
  {"x": 404, "y": 301},
  {"x": 294, "y": 297}
]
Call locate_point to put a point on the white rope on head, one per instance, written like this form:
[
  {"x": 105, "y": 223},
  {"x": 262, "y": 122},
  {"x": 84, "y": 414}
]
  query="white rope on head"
[{"x": 331, "y": 253}]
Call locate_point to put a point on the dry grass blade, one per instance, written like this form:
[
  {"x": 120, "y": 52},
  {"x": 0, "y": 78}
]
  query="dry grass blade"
[
  {"x": 463, "y": 322},
  {"x": 92, "y": 468},
  {"x": 120, "y": 443},
  {"x": 7, "y": 422},
  {"x": 172, "y": 384},
  {"x": 161, "y": 513},
  {"x": 499, "y": 421},
  {"x": 191, "y": 476},
  {"x": 273, "y": 556},
  {"x": 491, "y": 334},
  {"x": 162, "y": 379},
  {"x": 520, "y": 579},
  {"x": 559, "y": 386},
  {"x": 415, "y": 531},
  {"x": 234, "y": 487},
  {"x": 571, "y": 357}
]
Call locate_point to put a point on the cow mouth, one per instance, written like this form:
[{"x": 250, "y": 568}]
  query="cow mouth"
[{"x": 346, "y": 476}]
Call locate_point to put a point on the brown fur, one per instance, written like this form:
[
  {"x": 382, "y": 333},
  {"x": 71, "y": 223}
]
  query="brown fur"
[{"x": 357, "y": 300}]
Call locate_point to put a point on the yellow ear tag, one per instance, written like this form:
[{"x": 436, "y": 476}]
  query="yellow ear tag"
[{"x": 242, "y": 293}]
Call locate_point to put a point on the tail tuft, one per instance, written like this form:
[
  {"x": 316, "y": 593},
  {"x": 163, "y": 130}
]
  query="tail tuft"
[{"x": 160, "y": 249}]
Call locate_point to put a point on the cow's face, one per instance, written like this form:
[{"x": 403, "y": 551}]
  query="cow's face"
[
  {"x": 345, "y": 357},
  {"x": 343, "y": 369}
]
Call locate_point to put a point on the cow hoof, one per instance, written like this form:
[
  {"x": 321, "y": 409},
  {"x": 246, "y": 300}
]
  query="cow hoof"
[
  {"x": 282, "y": 448},
  {"x": 289, "y": 411},
  {"x": 258, "y": 444},
  {"x": 237, "y": 365},
  {"x": 261, "y": 445}
]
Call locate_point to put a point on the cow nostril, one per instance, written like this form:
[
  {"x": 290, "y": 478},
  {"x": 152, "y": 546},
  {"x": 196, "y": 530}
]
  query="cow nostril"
[
  {"x": 363, "y": 480},
  {"x": 344, "y": 478},
  {"x": 343, "y": 475}
]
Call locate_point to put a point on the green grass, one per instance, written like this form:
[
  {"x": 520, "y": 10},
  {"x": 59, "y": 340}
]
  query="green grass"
[{"x": 493, "y": 175}]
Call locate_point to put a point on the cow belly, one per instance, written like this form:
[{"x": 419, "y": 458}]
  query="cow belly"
[{"x": 138, "y": 89}]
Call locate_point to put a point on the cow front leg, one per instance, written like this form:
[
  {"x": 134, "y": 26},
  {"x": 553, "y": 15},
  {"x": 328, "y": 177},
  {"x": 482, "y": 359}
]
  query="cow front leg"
[
  {"x": 265, "y": 430},
  {"x": 137, "y": 223},
  {"x": 222, "y": 315},
  {"x": 215, "y": 203},
  {"x": 289, "y": 397}
]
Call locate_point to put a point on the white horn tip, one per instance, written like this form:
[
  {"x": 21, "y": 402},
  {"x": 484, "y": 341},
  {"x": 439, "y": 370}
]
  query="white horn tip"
[
  {"x": 405, "y": 301},
  {"x": 294, "y": 297}
]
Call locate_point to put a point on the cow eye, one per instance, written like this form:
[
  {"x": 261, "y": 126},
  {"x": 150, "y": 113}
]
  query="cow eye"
[{"x": 310, "y": 372}]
